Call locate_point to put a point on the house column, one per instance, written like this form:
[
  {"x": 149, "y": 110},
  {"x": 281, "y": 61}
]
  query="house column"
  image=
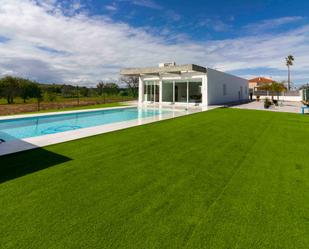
[
  {"x": 160, "y": 90},
  {"x": 140, "y": 91},
  {"x": 204, "y": 91}
]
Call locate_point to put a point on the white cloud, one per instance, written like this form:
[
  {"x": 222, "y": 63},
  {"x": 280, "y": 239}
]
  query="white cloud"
[
  {"x": 215, "y": 24},
  {"x": 111, "y": 7},
  {"x": 147, "y": 3},
  {"x": 270, "y": 24},
  {"x": 48, "y": 45}
]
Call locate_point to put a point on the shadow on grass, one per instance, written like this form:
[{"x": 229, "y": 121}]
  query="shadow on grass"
[{"x": 27, "y": 162}]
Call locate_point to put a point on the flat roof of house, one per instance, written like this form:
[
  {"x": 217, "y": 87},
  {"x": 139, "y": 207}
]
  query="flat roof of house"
[{"x": 174, "y": 69}]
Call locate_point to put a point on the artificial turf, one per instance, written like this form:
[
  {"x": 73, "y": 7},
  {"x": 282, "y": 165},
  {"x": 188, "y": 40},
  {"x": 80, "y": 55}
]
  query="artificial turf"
[{"x": 225, "y": 178}]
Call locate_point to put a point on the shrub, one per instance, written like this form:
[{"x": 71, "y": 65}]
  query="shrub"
[
  {"x": 50, "y": 96},
  {"x": 267, "y": 103},
  {"x": 275, "y": 102}
]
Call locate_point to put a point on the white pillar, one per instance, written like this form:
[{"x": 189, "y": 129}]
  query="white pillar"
[
  {"x": 204, "y": 91},
  {"x": 160, "y": 90},
  {"x": 140, "y": 91}
]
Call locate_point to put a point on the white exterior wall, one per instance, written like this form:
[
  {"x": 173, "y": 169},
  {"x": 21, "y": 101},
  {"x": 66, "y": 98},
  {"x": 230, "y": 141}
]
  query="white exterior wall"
[
  {"x": 215, "y": 93},
  {"x": 204, "y": 91},
  {"x": 140, "y": 91},
  {"x": 212, "y": 87}
]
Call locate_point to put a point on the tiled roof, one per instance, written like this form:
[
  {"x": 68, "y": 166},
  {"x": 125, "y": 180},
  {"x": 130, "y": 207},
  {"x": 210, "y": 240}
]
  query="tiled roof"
[{"x": 261, "y": 80}]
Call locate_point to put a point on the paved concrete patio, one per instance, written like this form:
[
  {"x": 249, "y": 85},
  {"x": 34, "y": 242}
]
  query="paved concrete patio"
[{"x": 284, "y": 106}]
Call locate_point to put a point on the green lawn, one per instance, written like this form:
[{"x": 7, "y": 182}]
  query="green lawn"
[{"x": 226, "y": 178}]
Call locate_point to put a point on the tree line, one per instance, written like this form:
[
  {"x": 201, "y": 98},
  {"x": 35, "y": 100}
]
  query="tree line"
[{"x": 13, "y": 87}]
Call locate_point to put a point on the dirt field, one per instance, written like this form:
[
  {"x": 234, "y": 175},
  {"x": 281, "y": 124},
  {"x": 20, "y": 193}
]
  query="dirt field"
[{"x": 11, "y": 109}]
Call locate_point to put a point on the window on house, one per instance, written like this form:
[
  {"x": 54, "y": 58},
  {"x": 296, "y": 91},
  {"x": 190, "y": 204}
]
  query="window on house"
[
  {"x": 181, "y": 91},
  {"x": 167, "y": 91},
  {"x": 224, "y": 89},
  {"x": 195, "y": 91}
]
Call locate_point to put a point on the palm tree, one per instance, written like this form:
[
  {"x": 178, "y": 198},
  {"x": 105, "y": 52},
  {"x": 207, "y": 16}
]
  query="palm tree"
[{"x": 289, "y": 62}]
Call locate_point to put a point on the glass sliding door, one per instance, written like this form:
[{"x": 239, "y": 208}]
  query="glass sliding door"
[
  {"x": 156, "y": 92},
  {"x": 151, "y": 91},
  {"x": 167, "y": 91},
  {"x": 181, "y": 91},
  {"x": 148, "y": 91},
  {"x": 195, "y": 91}
]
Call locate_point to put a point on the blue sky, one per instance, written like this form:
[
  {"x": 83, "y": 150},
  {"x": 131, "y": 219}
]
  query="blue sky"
[
  {"x": 200, "y": 20},
  {"x": 82, "y": 42}
]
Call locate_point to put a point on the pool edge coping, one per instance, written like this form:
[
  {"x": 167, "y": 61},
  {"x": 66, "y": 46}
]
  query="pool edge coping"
[
  {"x": 30, "y": 115},
  {"x": 15, "y": 146}
]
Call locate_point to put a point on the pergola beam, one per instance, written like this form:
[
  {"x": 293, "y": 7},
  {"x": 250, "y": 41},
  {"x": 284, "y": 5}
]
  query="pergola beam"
[{"x": 178, "y": 69}]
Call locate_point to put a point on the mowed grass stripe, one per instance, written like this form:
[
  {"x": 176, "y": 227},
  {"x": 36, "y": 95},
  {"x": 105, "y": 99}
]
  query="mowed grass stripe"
[
  {"x": 266, "y": 204},
  {"x": 201, "y": 181}
]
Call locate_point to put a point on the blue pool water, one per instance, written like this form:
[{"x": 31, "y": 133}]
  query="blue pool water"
[{"x": 42, "y": 125}]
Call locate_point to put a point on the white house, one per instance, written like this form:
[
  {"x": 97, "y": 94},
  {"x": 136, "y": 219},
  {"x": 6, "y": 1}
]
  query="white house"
[{"x": 187, "y": 84}]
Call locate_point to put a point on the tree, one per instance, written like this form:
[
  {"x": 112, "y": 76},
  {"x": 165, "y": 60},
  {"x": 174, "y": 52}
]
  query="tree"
[
  {"x": 57, "y": 89},
  {"x": 9, "y": 88},
  {"x": 107, "y": 89},
  {"x": 50, "y": 96},
  {"x": 68, "y": 91},
  {"x": 132, "y": 84},
  {"x": 37, "y": 93},
  {"x": 100, "y": 87},
  {"x": 84, "y": 91},
  {"x": 278, "y": 88},
  {"x": 111, "y": 88},
  {"x": 123, "y": 93},
  {"x": 27, "y": 88},
  {"x": 24, "y": 89},
  {"x": 289, "y": 62},
  {"x": 274, "y": 87}
]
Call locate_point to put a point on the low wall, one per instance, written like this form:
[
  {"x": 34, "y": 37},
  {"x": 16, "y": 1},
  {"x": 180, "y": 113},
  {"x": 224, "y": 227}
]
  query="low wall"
[{"x": 282, "y": 98}]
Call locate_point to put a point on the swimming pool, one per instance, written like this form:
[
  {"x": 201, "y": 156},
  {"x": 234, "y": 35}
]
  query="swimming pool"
[{"x": 12, "y": 129}]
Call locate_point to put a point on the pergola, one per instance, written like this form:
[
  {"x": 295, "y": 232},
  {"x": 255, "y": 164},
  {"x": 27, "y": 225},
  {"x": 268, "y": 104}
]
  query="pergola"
[
  {"x": 168, "y": 83},
  {"x": 157, "y": 71}
]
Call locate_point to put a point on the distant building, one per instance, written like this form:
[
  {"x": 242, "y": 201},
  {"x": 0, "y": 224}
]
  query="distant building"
[{"x": 259, "y": 81}]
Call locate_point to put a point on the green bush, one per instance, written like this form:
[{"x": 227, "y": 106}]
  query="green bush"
[
  {"x": 267, "y": 103},
  {"x": 50, "y": 96}
]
